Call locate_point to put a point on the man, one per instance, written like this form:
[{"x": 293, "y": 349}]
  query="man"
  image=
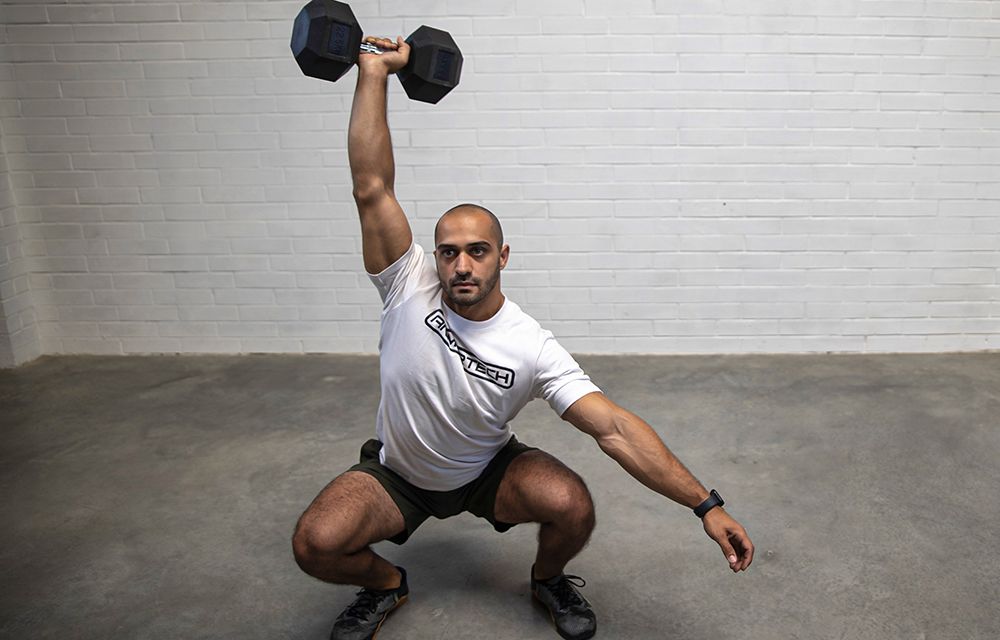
[{"x": 458, "y": 361}]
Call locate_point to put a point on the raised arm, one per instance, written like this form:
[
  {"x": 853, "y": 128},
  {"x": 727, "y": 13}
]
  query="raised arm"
[
  {"x": 633, "y": 444},
  {"x": 385, "y": 231}
]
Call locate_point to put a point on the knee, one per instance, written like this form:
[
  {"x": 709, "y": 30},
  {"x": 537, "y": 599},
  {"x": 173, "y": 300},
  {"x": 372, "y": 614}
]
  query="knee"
[
  {"x": 572, "y": 503},
  {"x": 313, "y": 541},
  {"x": 304, "y": 545}
]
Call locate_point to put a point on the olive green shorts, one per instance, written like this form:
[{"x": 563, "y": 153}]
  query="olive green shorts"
[{"x": 416, "y": 504}]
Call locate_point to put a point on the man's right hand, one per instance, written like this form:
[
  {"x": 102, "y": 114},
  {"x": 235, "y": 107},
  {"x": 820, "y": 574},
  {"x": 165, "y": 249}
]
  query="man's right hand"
[{"x": 396, "y": 55}]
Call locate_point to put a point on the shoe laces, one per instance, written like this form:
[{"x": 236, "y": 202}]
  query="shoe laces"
[
  {"x": 367, "y": 602},
  {"x": 564, "y": 591}
]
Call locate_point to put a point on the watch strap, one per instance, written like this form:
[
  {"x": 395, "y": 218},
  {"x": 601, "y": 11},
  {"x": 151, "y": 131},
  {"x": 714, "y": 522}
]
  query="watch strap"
[{"x": 713, "y": 500}]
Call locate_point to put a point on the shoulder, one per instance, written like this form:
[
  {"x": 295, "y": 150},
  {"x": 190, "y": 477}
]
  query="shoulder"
[
  {"x": 516, "y": 319},
  {"x": 410, "y": 273},
  {"x": 520, "y": 326}
]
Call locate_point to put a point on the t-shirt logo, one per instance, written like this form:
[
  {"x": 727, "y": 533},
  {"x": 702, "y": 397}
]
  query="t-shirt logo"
[{"x": 500, "y": 376}]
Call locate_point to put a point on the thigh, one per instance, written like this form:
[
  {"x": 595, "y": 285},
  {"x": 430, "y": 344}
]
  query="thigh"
[
  {"x": 351, "y": 513},
  {"x": 538, "y": 488}
]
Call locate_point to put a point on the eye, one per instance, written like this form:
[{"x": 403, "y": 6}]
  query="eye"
[{"x": 477, "y": 251}]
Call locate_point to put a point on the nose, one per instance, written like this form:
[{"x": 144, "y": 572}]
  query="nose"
[{"x": 463, "y": 264}]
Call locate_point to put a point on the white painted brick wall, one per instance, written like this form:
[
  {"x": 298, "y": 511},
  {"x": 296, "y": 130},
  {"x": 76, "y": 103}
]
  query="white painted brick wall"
[
  {"x": 696, "y": 176},
  {"x": 18, "y": 325}
]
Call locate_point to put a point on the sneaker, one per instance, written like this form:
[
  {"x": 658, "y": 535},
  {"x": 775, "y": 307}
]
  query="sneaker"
[
  {"x": 570, "y": 611},
  {"x": 362, "y": 620}
]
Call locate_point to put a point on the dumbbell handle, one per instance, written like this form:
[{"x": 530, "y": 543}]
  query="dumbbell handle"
[{"x": 367, "y": 47}]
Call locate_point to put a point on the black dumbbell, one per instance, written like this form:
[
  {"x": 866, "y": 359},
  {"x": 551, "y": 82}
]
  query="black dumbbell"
[{"x": 326, "y": 41}]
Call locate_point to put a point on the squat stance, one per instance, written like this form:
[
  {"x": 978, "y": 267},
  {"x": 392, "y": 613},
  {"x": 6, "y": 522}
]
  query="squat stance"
[{"x": 458, "y": 362}]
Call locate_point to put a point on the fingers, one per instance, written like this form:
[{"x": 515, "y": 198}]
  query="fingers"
[
  {"x": 731, "y": 537},
  {"x": 730, "y": 553},
  {"x": 747, "y": 547},
  {"x": 738, "y": 550},
  {"x": 386, "y": 44}
]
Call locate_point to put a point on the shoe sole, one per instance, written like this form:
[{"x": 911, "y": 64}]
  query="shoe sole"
[
  {"x": 399, "y": 603},
  {"x": 538, "y": 601}
]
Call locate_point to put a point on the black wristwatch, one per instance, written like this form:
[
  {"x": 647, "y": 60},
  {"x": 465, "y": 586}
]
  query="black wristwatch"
[{"x": 713, "y": 500}]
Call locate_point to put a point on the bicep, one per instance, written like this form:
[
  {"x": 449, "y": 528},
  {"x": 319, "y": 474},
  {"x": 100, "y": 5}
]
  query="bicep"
[{"x": 385, "y": 231}]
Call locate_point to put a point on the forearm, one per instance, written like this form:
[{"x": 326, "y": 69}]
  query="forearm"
[
  {"x": 630, "y": 441},
  {"x": 641, "y": 452},
  {"x": 369, "y": 147}
]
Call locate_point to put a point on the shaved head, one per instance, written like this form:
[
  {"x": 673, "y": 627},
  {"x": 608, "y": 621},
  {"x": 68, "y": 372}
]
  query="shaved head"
[{"x": 468, "y": 208}]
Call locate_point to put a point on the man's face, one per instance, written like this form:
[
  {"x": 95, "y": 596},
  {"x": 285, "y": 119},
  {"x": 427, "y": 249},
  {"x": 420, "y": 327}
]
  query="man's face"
[{"x": 468, "y": 259}]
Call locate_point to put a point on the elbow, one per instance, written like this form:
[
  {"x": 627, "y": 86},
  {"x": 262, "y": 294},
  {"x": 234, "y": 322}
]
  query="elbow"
[
  {"x": 370, "y": 189},
  {"x": 610, "y": 445},
  {"x": 612, "y": 435}
]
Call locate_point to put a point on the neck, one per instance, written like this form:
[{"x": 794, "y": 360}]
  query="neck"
[{"x": 482, "y": 310}]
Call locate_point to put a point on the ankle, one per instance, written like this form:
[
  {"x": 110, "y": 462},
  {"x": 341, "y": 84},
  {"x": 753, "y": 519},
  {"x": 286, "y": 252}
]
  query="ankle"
[
  {"x": 543, "y": 576},
  {"x": 389, "y": 582}
]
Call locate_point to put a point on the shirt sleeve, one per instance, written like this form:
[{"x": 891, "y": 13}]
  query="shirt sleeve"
[
  {"x": 558, "y": 377},
  {"x": 397, "y": 281}
]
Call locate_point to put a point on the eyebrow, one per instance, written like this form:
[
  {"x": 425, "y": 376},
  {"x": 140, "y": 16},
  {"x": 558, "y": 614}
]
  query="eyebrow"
[{"x": 479, "y": 243}]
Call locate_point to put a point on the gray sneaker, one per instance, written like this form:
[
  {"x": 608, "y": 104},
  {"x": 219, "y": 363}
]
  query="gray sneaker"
[
  {"x": 570, "y": 611},
  {"x": 362, "y": 620}
]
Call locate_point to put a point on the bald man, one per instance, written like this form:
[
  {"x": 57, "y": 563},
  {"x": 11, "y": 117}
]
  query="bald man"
[{"x": 458, "y": 361}]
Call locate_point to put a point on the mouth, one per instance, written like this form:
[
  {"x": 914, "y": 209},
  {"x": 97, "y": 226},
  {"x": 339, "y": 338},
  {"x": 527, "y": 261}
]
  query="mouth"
[{"x": 462, "y": 285}]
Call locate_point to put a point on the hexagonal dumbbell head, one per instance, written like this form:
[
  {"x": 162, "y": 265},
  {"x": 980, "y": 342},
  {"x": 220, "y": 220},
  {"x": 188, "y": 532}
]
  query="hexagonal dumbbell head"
[
  {"x": 325, "y": 39},
  {"x": 435, "y": 65}
]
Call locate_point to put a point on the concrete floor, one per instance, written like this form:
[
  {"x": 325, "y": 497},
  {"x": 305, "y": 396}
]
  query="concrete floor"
[{"x": 154, "y": 497}]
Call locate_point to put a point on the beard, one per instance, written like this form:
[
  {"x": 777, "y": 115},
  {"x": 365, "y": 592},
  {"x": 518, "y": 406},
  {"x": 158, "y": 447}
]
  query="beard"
[{"x": 479, "y": 292}]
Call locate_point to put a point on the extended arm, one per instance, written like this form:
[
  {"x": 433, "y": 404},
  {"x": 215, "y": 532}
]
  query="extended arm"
[
  {"x": 631, "y": 442},
  {"x": 385, "y": 231}
]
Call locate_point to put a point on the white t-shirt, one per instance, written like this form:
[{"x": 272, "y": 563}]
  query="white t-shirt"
[{"x": 450, "y": 386}]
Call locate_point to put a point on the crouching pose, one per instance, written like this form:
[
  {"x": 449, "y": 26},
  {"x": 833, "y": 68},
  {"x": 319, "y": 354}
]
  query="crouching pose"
[{"x": 458, "y": 361}]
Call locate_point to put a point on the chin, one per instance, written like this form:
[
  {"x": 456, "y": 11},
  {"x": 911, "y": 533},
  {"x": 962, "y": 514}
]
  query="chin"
[{"x": 464, "y": 301}]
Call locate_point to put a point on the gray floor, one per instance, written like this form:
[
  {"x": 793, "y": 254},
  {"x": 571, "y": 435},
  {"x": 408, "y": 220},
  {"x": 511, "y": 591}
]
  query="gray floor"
[{"x": 155, "y": 497}]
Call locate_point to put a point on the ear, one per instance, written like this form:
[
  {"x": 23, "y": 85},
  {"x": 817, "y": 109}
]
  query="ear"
[
  {"x": 437, "y": 263},
  {"x": 504, "y": 255}
]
